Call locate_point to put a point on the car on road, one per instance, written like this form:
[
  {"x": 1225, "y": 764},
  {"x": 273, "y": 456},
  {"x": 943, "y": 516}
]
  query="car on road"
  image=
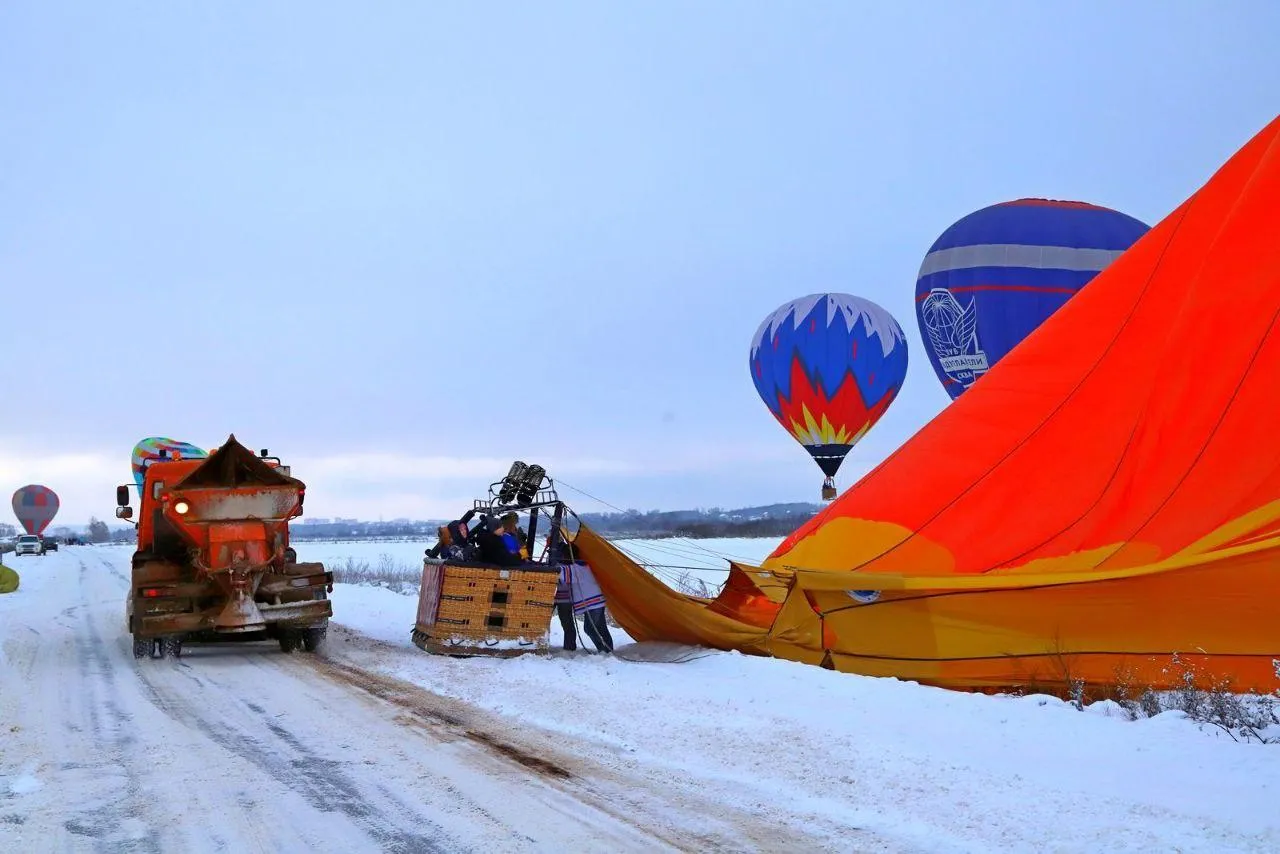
[
  {"x": 29, "y": 544},
  {"x": 50, "y": 543}
]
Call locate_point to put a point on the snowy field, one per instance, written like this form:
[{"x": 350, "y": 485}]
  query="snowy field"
[
  {"x": 675, "y": 560},
  {"x": 719, "y": 752}
]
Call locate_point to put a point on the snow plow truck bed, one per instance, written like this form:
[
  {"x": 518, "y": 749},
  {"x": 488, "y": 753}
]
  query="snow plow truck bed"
[{"x": 213, "y": 562}]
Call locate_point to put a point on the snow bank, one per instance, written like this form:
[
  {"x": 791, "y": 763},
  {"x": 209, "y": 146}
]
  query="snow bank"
[{"x": 934, "y": 769}]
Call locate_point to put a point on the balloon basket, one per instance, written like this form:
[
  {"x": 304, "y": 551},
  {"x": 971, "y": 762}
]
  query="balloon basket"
[
  {"x": 479, "y": 609},
  {"x": 829, "y": 490}
]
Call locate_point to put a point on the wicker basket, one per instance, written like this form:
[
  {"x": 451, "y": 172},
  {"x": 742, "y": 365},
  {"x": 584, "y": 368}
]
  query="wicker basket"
[{"x": 484, "y": 610}]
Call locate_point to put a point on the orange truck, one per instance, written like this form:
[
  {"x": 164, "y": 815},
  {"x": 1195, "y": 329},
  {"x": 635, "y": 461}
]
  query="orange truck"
[{"x": 213, "y": 562}]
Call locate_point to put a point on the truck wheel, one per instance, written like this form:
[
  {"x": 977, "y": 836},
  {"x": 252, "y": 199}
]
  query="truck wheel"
[
  {"x": 141, "y": 647},
  {"x": 313, "y": 639},
  {"x": 288, "y": 641},
  {"x": 171, "y": 647}
]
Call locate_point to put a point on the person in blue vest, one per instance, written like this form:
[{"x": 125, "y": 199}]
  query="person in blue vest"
[
  {"x": 579, "y": 593},
  {"x": 513, "y": 535},
  {"x": 492, "y": 547}
]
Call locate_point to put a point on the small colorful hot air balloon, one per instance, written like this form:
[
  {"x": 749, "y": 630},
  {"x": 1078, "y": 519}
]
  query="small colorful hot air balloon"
[
  {"x": 828, "y": 366},
  {"x": 35, "y": 506},
  {"x": 998, "y": 273},
  {"x": 150, "y": 449}
]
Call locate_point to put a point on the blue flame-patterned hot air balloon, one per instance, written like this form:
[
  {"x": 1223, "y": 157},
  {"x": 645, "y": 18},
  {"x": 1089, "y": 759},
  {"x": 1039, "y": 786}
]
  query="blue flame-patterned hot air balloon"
[
  {"x": 828, "y": 366},
  {"x": 998, "y": 273}
]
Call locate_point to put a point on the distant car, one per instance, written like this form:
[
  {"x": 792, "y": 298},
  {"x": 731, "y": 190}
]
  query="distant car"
[
  {"x": 50, "y": 543},
  {"x": 29, "y": 544}
]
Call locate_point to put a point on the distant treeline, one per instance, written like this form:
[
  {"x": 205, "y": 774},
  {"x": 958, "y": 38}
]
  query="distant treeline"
[
  {"x": 348, "y": 530},
  {"x": 774, "y": 520}
]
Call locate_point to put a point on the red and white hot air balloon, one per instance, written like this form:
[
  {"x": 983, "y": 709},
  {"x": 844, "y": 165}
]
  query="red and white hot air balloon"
[{"x": 35, "y": 506}]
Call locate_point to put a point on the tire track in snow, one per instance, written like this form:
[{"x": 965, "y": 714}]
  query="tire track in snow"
[
  {"x": 114, "y": 825},
  {"x": 700, "y": 824},
  {"x": 319, "y": 780}
]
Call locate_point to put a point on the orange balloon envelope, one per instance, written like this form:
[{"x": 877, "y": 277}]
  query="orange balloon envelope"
[{"x": 1103, "y": 507}]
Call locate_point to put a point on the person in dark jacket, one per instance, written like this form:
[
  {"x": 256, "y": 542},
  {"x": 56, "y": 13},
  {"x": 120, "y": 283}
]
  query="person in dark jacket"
[
  {"x": 447, "y": 548},
  {"x": 493, "y": 548},
  {"x": 454, "y": 540}
]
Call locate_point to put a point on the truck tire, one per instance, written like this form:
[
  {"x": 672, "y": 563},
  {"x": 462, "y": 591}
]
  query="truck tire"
[
  {"x": 289, "y": 640},
  {"x": 171, "y": 647},
  {"x": 142, "y": 646},
  {"x": 313, "y": 639}
]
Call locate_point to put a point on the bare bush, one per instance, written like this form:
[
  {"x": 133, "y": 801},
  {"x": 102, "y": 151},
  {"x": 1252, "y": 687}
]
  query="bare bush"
[
  {"x": 1148, "y": 705},
  {"x": 1243, "y": 716},
  {"x": 1247, "y": 716},
  {"x": 387, "y": 572},
  {"x": 1075, "y": 689},
  {"x": 691, "y": 585}
]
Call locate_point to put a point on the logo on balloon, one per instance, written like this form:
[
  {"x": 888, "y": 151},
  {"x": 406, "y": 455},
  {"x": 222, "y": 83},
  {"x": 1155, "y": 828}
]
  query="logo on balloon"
[
  {"x": 866, "y": 597},
  {"x": 1014, "y": 264},
  {"x": 953, "y": 332}
]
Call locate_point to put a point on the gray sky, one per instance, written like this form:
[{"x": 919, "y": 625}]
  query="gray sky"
[{"x": 402, "y": 244}]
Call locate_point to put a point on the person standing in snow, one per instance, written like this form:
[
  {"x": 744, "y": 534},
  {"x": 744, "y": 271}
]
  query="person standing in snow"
[{"x": 579, "y": 593}]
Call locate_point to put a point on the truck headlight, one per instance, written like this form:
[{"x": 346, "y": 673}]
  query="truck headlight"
[{"x": 181, "y": 508}]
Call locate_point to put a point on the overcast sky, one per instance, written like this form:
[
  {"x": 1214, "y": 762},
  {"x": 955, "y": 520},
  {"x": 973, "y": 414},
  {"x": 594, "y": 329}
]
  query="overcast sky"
[{"x": 401, "y": 244}]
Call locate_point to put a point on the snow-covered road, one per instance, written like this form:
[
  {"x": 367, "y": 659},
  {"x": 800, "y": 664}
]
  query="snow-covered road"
[
  {"x": 241, "y": 749},
  {"x": 375, "y": 746}
]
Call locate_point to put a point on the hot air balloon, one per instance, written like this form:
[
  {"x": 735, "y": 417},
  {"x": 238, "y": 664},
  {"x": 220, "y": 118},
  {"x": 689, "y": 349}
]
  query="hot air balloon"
[
  {"x": 828, "y": 366},
  {"x": 150, "y": 449},
  {"x": 998, "y": 273},
  {"x": 35, "y": 506}
]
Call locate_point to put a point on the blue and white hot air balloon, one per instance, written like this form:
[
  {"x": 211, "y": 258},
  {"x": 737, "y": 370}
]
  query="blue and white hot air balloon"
[{"x": 998, "y": 273}]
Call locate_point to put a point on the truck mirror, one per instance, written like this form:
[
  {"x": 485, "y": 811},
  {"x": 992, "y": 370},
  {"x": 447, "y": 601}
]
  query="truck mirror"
[
  {"x": 122, "y": 496},
  {"x": 125, "y": 512}
]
